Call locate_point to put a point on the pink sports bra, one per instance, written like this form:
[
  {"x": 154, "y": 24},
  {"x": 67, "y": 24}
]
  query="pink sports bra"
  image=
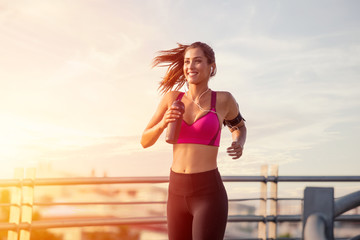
[{"x": 205, "y": 130}]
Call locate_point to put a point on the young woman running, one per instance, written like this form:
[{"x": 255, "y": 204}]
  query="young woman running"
[{"x": 197, "y": 206}]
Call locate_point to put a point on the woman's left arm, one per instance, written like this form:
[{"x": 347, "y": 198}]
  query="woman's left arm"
[{"x": 236, "y": 124}]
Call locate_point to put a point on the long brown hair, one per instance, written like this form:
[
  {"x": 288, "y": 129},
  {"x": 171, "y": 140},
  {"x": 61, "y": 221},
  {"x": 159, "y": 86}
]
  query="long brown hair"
[{"x": 174, "y": 60}]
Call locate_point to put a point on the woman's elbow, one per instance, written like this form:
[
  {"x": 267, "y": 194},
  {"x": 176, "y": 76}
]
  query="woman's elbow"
[{"x": 145, "y": 144}]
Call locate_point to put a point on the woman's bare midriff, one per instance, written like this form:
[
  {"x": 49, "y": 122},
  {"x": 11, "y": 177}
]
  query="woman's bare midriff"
[{"x": 194, "y": 158}]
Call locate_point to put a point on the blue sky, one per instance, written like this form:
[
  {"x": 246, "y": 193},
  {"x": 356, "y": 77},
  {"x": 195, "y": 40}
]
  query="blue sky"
[{"x": 77, "y": 88}]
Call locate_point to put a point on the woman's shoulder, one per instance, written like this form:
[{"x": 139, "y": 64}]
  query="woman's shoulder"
[
  {"x": 224, "y": 96},
  {"x": 228, "y": 103},
  {"x": 171, "y": 96}
]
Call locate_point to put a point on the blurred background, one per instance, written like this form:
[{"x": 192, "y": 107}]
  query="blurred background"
[{"x": 77, "y": 87}]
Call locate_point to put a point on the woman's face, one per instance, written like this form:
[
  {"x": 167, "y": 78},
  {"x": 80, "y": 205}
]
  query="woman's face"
[{"x": 196, "y": 66}]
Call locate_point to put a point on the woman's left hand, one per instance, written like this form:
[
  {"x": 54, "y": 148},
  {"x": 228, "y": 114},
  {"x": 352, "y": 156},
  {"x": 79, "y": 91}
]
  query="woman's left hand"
[{"x": 235, "y": 150}]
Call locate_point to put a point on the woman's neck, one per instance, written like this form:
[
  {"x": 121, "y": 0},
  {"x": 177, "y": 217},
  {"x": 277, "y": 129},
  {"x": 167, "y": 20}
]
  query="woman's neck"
[{"x": 197, "y": 91}]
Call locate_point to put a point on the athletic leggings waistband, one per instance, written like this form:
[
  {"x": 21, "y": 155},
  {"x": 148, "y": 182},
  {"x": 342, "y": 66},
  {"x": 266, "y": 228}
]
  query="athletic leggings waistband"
[{"x": 188, "y": 184}]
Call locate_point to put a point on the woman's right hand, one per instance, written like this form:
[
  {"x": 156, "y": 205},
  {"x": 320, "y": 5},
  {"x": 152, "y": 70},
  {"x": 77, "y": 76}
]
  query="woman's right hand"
[
  {"x": 170, "y": 115},
  {"x": 160, "y": 120}
]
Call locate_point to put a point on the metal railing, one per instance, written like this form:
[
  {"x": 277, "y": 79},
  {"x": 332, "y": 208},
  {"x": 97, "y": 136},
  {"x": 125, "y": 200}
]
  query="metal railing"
[
  {"x": 22, "y": 202},
  {"x": 320, "y": 209}
]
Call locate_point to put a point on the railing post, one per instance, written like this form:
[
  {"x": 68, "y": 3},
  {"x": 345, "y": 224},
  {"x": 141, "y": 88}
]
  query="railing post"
[
  {"x": 262, "y": 207},
  {"x": 273, "y": 201},
  {"x": 27, "y": 204},
  {"x": 318, "y": 209},
  {"x": 14, "y": 217}
]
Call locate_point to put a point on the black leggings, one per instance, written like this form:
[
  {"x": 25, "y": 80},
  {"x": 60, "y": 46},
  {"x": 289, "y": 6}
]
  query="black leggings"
[{"x": 197, "y": 206}]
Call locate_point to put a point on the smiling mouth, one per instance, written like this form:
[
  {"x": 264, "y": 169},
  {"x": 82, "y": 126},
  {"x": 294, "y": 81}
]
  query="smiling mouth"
[{"x": 192, "y": 74}]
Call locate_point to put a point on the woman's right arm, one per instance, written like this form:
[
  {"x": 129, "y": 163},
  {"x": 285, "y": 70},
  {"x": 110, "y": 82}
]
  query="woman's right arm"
[{"x": 162, "y": 117}]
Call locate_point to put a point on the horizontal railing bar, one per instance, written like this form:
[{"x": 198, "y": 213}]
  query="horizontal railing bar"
[
  {"x": 82, "y": 181},
  {"x": 286, "y": 239},
  {"x": 108, "y": 222},
  {"x": 348, "y": 218},
  {"x": 7, "y": 226},
  {"x": 288, "y": 199},
  {"x": 284, "y": 199},
  {"x": 298, "y": 218},
  {"x": 245, "y": 199},
  {"x": 244, "y": 179},
  {"x": 97, "y": 203},
  {"x": 123, "y": 203},
  {"x": 301, "y": 239},
  {"x": 112, "y": 203},
  {"x": 314, "y": 179},
  {"x": 140, "y": 202},
  {"x": 118, "y": 203},
  {"x": 125, "y": 180},
  {"x": 10, "y": 182},
  {"x": 242, "y": 239},
  {"x": 246, "y": 218},
  {"x": 111, "y": 180},
  {"x": 257, "y": 199},
  {"x": 66, "y": 223},
  {"x": 102, "y": 180},
  {"x": 284, "y": 218},
  {"x": 9, "y": 205},
  {"x": 281, "y": 238}
]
